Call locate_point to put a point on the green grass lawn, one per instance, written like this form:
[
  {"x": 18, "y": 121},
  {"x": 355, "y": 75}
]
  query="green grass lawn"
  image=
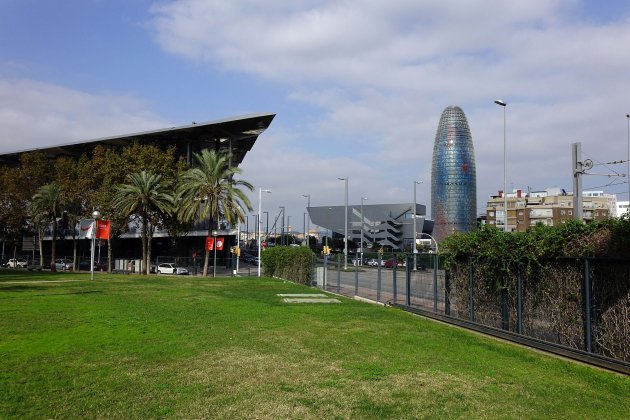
[{"x": 147, "y": 347}]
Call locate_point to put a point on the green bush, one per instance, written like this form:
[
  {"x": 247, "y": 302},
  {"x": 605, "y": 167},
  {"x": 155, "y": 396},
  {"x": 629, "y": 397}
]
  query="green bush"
[{"x": 289, "y": 263}]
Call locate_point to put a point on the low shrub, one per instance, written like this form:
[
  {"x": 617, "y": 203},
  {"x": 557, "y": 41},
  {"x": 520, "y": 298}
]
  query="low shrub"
[{"x": 289, "y": 263}]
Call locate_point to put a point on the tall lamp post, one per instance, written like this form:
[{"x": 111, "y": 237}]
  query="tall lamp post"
[
  {"x": 308, "y": 220},
  {"x": 345, "y": 228},
  {"x": 96, "y": 215},
  {"x": 505, "y": 217},
  {"x": 628, "y": 176},
  {"x": 415, "y": 248},
  {"x": 260, "y": 191},
  {"x": 362, "y": 199},
  {"x": 282, "y": 227}
]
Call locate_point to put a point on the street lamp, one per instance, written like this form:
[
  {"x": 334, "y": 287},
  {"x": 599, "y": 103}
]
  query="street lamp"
[
  {"x": 282, "y": 227},
  {"x": 260, "y": 191},
  {"x": 96, "y": 215},
  {"x": 415, "y": 248},
  {"x": 505, "y": 218},
  {"x": 266, "y": 213},
  {"x": 345, "y": 234},
  {"x": 628, "y": 176},
  {"x": 362, "y": 199},
  {"x": 308, "y": 219},
  {"x": 437, "y": 251}
]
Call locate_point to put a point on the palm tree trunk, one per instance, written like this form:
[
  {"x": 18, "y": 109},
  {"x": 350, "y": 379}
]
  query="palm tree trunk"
[
  {"x": 144, "y": 240},
  {"x": 41, "y": 249},
  {"x": 109, "y": 254},
  {"x": 53, "y": 245},
  {"x": 205, "y": 263}
]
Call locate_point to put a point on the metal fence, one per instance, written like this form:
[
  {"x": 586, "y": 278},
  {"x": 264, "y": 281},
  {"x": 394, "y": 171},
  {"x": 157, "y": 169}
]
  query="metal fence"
[{"x": 574, "y": 303}]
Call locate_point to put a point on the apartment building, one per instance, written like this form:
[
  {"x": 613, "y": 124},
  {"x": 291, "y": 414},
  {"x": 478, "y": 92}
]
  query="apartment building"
[{"x": 550, "y": 207}]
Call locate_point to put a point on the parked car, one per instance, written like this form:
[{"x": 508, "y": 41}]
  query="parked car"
[
  {"x": 98, "y": 266},
  {"x": 249, "y": 258},
  {"x": 170, "y": 268},
  {"x": 63, "y": 264},
  {"x": 17, "y": 263},
  {"x": 373, "y": 262},
  {"x": 390, "y": 263}
]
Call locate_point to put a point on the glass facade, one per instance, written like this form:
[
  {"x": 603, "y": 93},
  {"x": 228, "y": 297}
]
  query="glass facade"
[{"x": 453, "y": 176}]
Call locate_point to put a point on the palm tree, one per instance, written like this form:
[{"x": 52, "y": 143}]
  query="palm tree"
[
  {"x": 46, "y": 207},
  {"x": 210, "y": 192},
  {"x": 145, "y": 197}
]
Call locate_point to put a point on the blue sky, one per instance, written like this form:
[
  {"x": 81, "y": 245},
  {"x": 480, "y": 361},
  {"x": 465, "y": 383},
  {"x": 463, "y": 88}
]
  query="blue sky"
[{"x": 358, "y": 86}]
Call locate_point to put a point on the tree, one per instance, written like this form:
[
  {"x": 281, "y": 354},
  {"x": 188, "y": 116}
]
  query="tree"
[
  {"x": 210, "y": 192},
  {"x": 46, "y": 207},
  {"x": 145, "y": 196}
]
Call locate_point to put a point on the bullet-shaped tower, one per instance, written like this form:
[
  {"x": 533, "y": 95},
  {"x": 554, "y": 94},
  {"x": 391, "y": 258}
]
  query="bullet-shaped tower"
[{"x": 453, "y": 176}]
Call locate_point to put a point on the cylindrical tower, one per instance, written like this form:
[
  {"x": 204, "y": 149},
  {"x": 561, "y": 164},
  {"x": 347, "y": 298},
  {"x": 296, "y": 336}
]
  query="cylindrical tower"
[{"x": 453, "y": 176}]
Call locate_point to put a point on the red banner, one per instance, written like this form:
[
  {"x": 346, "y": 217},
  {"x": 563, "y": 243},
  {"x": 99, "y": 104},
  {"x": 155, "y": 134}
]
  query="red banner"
[
  {"x": 102, "y": 229},
  {"x": 210, "y": 243}
]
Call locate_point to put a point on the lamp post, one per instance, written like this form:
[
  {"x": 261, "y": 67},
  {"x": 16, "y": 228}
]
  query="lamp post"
[
  {"x": 415, "y": 248},
  {"x": 362, "y": 199},
  {"x": 628, "y": 176},
  {"x": 266, "y": 213},
  {"x": 96, "y": 215},
  {"x": 437, "y": 251},
  {"x": 308, "y": 219},
  {"x": 260, "y": 191},
  {"x": 345, "y": 234},
  {"x": 282, "y": 227},
  {"x": 505, "y": 217}
]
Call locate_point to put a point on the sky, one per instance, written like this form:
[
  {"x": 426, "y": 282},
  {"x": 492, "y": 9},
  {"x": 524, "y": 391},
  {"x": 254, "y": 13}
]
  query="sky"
[{"x": 358, "y": 86}]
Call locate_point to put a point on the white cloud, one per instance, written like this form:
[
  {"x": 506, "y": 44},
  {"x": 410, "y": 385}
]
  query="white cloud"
[
  {"x": 35, "y": 114},
  {"x": 382, "y": 72}
]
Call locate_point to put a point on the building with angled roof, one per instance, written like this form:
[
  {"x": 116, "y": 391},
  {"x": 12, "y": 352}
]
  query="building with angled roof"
[
  {"x": 389, "y": 225},
  {"x": 236, "y": 135}
]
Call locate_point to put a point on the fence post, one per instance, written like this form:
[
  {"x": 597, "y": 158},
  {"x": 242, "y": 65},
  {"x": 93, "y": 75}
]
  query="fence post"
[
  {"x": 394, "y": 285},
  {"x": 436, "y": 263},
  {"x": 379, "y": 278},
  {"x": 356, "y": 279},
  {"x": 408, "y": 271},
  {"x": 470, "y": 291},
  {"x": 338, "y": 273},
  {"x": 519, "y": 301},
  {"x": 325, "y": 271},
  {"x": 505, "y": 313},
  {"x": 447, "y": 293},
  {"x": 587, "y": 307}
]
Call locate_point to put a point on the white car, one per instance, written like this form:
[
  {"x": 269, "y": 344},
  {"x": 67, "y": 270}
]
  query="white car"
[
  {"x": 17, "y": 263},
  {"x": 170, "y": 268},
  {"x": 373, "y": 262}
]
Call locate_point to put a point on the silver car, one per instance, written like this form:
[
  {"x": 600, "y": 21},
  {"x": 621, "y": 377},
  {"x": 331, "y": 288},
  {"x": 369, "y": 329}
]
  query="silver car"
[
  {"x": 63, "y": 264},
  {"x": 170, "y": 268}
]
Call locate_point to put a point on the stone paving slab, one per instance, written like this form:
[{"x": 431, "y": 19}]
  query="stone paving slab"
[
  {"x": 302, "y": 295},
  {"x": 310, "y": 300}
]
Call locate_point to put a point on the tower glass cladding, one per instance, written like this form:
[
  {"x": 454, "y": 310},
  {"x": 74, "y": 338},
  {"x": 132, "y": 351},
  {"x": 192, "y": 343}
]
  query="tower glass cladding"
[{"x": 453, "y": 176}]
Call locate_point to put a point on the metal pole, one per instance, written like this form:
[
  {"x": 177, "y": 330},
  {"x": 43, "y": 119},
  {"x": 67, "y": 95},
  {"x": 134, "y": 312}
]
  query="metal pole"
[
  {"x": 415, "y": 248},
  {"x": 362, "y": 222},
  {"x": 628, "y": 174},
  {"x": 260, "y": 190},
  {"x": 505, "y": 218},
  {"x": 587, "y": 307},
  {"x": 308, "y": 219},
  {"x": 282, "y": 227},
  {"x": 266, "y": 213},
  {"x": 345, "y": 234}
]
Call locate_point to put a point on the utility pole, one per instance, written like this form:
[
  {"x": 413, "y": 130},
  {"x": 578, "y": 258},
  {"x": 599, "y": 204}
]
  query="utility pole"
[{"x": 578, "y": 171}]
